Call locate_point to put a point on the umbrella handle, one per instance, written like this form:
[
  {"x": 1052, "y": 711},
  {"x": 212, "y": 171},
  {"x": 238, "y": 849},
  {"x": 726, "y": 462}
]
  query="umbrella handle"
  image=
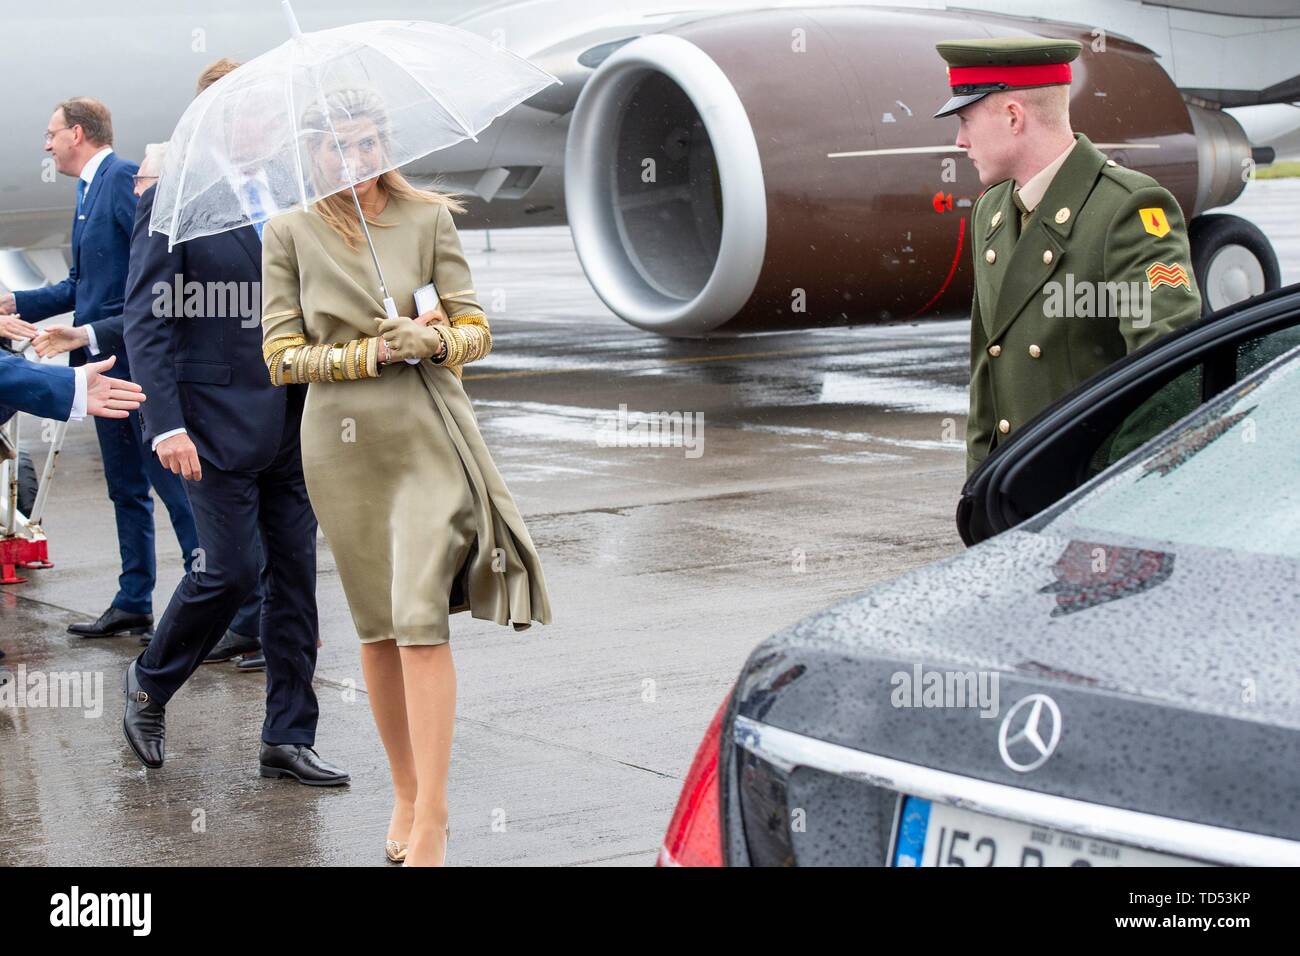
[{"x": 390, "y": 307}]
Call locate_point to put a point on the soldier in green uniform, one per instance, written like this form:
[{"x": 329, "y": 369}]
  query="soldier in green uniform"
[{"x": 1078, "y": 260}]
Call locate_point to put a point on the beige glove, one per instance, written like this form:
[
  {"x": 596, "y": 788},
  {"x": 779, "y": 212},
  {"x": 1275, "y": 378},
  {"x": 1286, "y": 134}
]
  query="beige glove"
[{"x": 407, "y": 339}]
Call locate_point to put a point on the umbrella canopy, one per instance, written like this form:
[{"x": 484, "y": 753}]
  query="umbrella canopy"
[{"x": 282, "y": 131}]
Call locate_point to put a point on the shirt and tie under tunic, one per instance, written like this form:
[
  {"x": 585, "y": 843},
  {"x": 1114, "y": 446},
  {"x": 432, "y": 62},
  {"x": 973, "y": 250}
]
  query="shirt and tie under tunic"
[{"x": 417, "y": 516}]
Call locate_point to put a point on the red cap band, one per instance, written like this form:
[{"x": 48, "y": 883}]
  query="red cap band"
[{"x": 1036, "y": 74}]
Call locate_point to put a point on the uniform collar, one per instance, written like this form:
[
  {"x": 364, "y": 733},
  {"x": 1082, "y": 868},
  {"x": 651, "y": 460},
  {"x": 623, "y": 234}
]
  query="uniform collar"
[
  {"x": 1027, "y": 270},
  {"x": 1070, "y": 187},
  {"x": 92, "y": 165},
  {"x": 1032, "y": 192}
]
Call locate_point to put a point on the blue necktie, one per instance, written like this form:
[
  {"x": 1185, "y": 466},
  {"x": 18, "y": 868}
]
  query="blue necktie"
[
  {"x": 254, "y": 206},
  {"x": 81, "y": 193}
]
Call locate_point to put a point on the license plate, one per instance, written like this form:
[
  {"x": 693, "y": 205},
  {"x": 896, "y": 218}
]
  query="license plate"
[{"x": 937, "y": 834}]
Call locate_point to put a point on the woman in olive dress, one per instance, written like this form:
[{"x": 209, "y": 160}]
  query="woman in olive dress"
[{"x": 417, "y": 516}]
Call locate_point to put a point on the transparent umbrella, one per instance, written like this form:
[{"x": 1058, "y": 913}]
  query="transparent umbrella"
[{"x": 275, "y": 134}]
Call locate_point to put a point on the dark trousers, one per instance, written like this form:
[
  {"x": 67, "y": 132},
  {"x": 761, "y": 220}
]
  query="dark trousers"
[
  {"x": 248, "y": 619},
  {"x": 130, "y": 468},
  {"x": 230, "y": 508}
]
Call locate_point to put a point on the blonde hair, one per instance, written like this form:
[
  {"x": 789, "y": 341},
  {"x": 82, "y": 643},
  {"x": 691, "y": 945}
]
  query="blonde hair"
[
  {"x": 215, "y": 71},
  {"x": 1048, "y": 106},
  {"x": 338, "y": 210}
]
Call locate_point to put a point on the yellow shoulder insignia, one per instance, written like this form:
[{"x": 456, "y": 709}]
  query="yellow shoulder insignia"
[{"x": 1154, "y": 221}]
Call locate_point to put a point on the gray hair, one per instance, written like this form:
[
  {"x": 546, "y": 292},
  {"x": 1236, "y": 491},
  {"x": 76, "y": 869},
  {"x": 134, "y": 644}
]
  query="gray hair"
[{"x": 151, "y": 165}]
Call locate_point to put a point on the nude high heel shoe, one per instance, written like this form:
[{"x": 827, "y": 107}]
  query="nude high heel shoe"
[{"x": 444, "y": 850}]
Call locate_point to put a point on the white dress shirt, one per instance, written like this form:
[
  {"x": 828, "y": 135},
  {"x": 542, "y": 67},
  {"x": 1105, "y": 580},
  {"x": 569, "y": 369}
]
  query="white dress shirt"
[
  {"x": 1035, "y": 188},
  {"x": 78, "y": 395}
]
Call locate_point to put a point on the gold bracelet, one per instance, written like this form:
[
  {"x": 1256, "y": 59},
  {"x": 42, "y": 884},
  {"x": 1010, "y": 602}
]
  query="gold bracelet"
[
  {"x": 336, "y": 363},
  {"x": 363, "y": 352},
  {"x": 472, "y": 343},
  {"x": 350, "y": 360},
  {"x": 280, "y": 342},
  {"x": 276, "y": 361},
  {"x": 300, "y": 364}
]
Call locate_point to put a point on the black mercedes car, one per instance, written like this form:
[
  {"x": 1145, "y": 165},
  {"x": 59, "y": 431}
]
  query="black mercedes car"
[{"x": 1108, "y": 676}]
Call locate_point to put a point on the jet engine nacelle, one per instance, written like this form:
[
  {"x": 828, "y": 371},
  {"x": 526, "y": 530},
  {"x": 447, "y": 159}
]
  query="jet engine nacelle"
[{"x": 782, "y": 168}]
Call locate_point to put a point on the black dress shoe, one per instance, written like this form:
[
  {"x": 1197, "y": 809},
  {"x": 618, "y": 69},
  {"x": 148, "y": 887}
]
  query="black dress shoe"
[
  {"x": 113, "y": 622},
  {"x": 231, "y": 646},
  {"x": 143, "y": 722},
  {"x": 300, "y": 762},
  {"x": 251, "y": 662}
]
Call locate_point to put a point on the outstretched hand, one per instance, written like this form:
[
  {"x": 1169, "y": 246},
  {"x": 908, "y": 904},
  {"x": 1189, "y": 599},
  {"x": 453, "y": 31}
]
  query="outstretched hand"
[
  {"x": 55, "y": 339},
  {"x": 110, "y": 397},
  {"x": 13, "y": 327}
]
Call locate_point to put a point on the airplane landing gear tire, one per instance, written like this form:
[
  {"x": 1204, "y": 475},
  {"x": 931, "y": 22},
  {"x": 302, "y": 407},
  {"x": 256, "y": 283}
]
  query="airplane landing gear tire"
[{"x": 1232, "y": 259}]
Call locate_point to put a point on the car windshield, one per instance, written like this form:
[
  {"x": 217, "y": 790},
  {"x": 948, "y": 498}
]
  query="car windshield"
[{"x": 1228, "y": 476}]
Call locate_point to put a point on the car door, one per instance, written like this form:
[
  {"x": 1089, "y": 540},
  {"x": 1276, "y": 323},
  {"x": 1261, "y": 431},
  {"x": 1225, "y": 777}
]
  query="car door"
[{"x": 1121, "y": 408}]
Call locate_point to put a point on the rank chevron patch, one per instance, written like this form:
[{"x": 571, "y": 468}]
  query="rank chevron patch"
[{"x": 1158, "y": 274}]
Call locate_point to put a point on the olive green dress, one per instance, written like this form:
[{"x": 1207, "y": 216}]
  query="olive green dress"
[{"x": 419, "y": 520}]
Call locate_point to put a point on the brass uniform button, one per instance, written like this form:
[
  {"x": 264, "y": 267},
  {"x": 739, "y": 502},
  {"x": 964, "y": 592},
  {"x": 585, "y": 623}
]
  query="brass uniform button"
[
  {"x": 990, "y": 256},
  {"x": 1047, "y": 255},
  {"x": 1035, "y": 351},
  {"x": 997, "y": 218},
  {"x": 995, "y": 350},
  {"x": 1062, "y": 214},
  {"x": 1004, "y": 426}
]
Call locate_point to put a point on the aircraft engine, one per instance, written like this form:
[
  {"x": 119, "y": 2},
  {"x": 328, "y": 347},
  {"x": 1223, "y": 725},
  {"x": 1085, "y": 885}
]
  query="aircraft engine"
[{"x": 782, "y": 168}]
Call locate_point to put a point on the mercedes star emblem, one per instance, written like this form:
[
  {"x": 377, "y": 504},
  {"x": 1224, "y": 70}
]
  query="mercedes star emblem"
[{"x": 1029, "y": 733}]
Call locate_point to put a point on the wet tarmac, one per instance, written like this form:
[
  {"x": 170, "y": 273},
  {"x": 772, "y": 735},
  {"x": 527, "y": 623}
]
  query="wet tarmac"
[{"x": 825, "y": 461}]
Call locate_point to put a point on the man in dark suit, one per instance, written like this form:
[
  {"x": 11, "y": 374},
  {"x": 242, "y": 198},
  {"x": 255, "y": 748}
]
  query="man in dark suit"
[
  {"x": 176, "y": 451},
  {"x": 80, "y": 137},
  {"x": 236, "y": 443}
]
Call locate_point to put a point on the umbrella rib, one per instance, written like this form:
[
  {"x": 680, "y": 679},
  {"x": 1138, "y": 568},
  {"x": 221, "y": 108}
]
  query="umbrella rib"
[
  {"x": 293, "y": 128},
  {"x": 455, "y": 113},
  {"x": 185, "y": 164}
]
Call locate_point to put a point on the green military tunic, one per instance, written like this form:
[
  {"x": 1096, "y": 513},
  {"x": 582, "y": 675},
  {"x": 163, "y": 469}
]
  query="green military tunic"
[{"x": 1043, "y": 318}]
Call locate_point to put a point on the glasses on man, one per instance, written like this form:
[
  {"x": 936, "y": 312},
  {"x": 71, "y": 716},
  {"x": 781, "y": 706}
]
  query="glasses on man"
[
  {"x": 141, "y": 180},
  {"x": 51, "y": 133}
]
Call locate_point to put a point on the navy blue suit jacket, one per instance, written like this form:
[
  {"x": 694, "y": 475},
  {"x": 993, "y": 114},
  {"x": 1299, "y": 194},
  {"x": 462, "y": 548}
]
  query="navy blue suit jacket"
[
  {"x": 204, "y": 372},
  {"x": 96, "y": 283},
  {"x": 42, "y": 390}
]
